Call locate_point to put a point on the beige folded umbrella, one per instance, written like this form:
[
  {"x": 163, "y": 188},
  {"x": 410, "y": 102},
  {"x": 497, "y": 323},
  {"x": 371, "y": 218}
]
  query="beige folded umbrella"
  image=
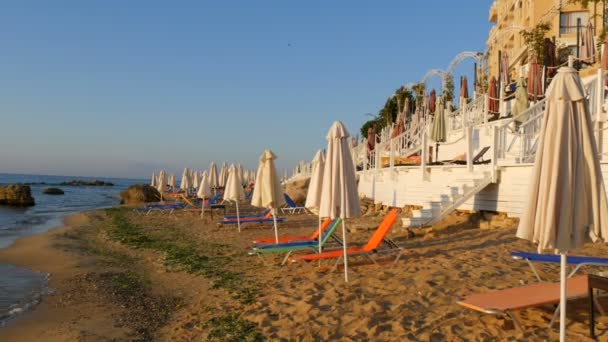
[
  {"x": 185, "y": 183},
  {"x": 567, "y": 201},
  {"x": 223, "y": 177},
  {"x": 153, "y": 180},
  {"x": 339, "y": 196},
  {"x": 172, "y": 181},
  {"x": 521, "y": 99},
  {"x": 234, "y": 191},
  {"x": 268, "y": 192},
  {"x": 195, "y": 179},
  {"x": 162, "y": 183},
  {"x": 438, "y": 130},
  {"x": 204, "y": 192},
  {"x": 213, "y": 181},
  {"x": 313, "y": 197}
]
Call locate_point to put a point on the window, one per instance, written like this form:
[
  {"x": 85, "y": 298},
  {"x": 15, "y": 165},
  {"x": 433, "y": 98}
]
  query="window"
[{"x": 568, "y": 21}]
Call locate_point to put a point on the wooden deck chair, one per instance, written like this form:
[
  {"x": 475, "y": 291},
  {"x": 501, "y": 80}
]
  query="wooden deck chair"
[
  {"x": 293, "y": 238},
  {"x": 373, "y": 246}
]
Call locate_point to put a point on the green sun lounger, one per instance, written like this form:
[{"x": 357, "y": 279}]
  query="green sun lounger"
[{"x": 290, "y": 247}]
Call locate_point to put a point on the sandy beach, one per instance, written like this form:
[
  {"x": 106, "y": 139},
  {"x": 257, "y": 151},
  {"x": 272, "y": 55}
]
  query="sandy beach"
[{"x": 117, "y": 275}]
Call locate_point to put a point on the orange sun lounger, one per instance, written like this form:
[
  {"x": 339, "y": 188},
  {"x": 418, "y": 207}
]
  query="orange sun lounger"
[
  {"x": 372, "y": 246},
  {"x": 293, "y": 238},
  {"x": 506, "y": 301}
]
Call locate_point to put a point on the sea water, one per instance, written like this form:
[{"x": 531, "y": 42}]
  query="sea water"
[{"x": 21, "y": 289}]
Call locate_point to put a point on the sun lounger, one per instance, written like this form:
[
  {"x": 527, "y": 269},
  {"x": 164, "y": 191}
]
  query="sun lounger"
[
  {"x": 576, "y": 261},
  {"x": 460, "y": 160},
  {"x": 373, "y": 246},
  {"x": 264, "y": 219},
  {"x": 159, "y": 207},
  {"x": 265, "y": 213},
  {"x": 291, "y": 206},
  {"x": 504, "y": 302},
  {"x": 293, "y": 238},
  {"x": 290, "y": 247}
]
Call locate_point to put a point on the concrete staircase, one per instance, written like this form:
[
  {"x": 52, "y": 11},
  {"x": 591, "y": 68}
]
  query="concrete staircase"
[{"x": 448, "y": 199}]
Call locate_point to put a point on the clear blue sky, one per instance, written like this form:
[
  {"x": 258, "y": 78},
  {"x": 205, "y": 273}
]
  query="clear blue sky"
[{"x": 119, "y": 88}]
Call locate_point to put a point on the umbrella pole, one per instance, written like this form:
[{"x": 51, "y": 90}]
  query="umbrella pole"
[
  {"x": 238, "y": 218},
  {"x": 344, "y": 248},
  {"x": 562, "y": 305},
  {"x": 276, "y": 231},
  {"x": 203, "y": 210},
  {"x": 319, "y": 238}
]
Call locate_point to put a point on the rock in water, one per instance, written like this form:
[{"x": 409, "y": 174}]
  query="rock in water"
[
  {"x": 16, "y": 195},
  {"x": 53, "y": 191},
  {"x": 139, "y": 193}
]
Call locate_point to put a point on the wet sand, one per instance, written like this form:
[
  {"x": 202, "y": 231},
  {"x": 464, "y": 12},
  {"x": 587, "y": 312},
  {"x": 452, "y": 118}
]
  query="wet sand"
[{"x": 121, "y": 276}]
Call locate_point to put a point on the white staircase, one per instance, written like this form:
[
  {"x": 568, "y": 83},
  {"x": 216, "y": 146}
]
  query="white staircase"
[{"x": 448, "y": 199}]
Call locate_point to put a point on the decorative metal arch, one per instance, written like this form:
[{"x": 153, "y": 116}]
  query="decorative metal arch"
[
  {"x": 477, "y": 56},
  {"x": 434, "y": 72}
]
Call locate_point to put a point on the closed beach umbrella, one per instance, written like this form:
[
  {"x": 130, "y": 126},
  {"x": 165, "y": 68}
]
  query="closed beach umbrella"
[
  {"x": 213, "y": 181},
  {"x": 521, "y": 99},
  {"x": 588, "y": 45},
  {"x": 153, "y": 180},
  {"x": 550, "y": 60},
  {"x": 464, "y": 91},
  {"x": 371, "y": 138},
  {"x": 339, "y": 191},
  {"x": 433, "y": 102},
  {"x": 171, "y": 181},
  {"x": 313, "y": 197},
  {"x": 493, "y": 95},
  {"x": 241, "y": 174},
  {"x": 438, "y": 132},
  {"x": 605, "y": 54},
  {"x": 267, "y": 192},
  {"x": 195, "y": 179},
  {"x": 504, "y": 69},
  {"x": 204, "y": 192},
  {"x": 535, "y": 81},
  {"x": 567, "y": 201},
  {"x": 185, "y": 183},
  {"x": 223, "y": 177},
  {"x": 162, "y": 183},
  {"x": 234, "y": 191}
]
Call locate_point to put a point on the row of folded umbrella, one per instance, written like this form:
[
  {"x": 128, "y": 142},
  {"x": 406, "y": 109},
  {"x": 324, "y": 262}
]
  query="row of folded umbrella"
[{"x": 191, "y": 179}]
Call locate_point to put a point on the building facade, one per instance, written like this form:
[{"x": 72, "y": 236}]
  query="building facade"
[{"x": 510, "y": 17}]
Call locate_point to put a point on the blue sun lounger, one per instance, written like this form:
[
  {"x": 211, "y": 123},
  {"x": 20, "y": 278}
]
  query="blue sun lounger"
[
  {"x": 262, "y": 214},
  {"x": 576, "y": 261},
  {"x": 159, "y": 207},
  {"x": 250, "y": 220},
  {"x": 291, "y": 207},
  {"x": 290, "y": 247}
]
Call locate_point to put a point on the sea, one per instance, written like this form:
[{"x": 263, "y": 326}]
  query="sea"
[{"x": 21, "y": 289}]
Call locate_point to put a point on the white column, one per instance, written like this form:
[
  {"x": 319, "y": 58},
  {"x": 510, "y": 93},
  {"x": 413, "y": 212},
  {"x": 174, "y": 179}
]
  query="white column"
[
  {"x": 469, "y": 142},
  {"x": 424, "y": 155}
]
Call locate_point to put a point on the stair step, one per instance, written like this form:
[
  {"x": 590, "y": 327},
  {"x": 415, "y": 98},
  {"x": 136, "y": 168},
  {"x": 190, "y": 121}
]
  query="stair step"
[
  {"x": 426, "y": 213},
  {"x": 414, "y": 221}
]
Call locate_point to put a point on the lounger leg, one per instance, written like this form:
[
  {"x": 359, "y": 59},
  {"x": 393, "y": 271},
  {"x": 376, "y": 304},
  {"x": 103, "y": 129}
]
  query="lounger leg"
[
  {"x": 336, "y": 264},
  {"x": 372, "y": 259},
  {"x": 534, "y": 270},
  {"x": 555, "y": 314},
  {"x": 398, "y": 256},
  {"x": 286, "y": 257},
  {"x": 515, "y": 321}
]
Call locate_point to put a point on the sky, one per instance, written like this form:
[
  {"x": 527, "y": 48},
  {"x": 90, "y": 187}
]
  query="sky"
[{"x": 122, "y": 88}]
